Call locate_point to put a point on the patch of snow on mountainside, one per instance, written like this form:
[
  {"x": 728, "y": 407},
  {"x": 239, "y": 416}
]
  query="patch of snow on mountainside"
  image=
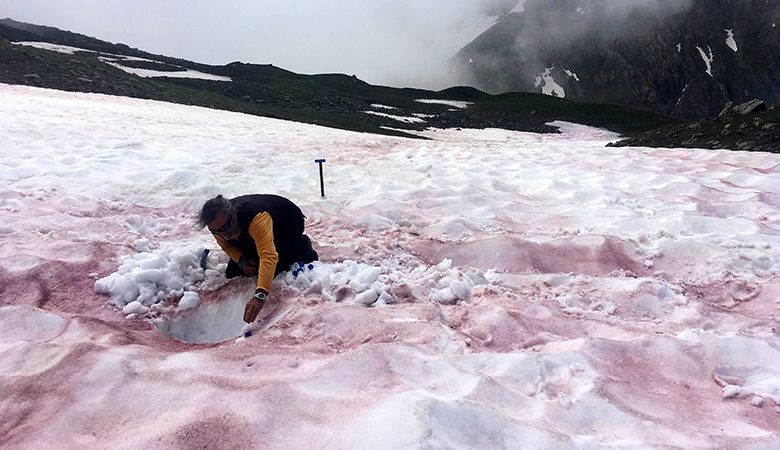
[
  {"x": 707, "y": 57},
  {"x": 730, "y": 41},
  {"x": 548, "y": 85},
  {"x": 66, "y": 49},
  {"x": 116, "y": 61}
]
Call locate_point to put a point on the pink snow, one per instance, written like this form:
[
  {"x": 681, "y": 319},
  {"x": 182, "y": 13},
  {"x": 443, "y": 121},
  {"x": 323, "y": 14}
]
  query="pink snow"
[{"x": 542, "y": 291}]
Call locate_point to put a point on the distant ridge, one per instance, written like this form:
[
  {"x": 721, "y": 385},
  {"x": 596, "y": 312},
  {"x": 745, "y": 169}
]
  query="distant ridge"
[{"x": 335, "y": 100}]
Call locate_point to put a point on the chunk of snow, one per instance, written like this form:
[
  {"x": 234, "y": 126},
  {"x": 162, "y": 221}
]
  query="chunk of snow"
[
  {"x": 572, "y": 74},
  {"x": 189, "y": 300},
  {"x": 134, "y": 307},
  {"x": 367, "y": 297}
]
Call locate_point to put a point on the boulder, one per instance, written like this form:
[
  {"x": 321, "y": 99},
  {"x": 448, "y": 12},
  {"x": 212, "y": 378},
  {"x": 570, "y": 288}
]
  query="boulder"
[{"x": 750, "y": 107}]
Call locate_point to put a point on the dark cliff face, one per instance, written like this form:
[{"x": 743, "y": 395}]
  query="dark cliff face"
[{"x": 650, "y": 54}]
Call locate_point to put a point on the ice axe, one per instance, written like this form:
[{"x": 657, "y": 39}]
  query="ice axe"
[{"x": 322, "y": 181}]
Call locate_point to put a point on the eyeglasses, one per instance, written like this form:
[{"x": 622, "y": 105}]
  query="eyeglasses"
[{"x": 224, "y": 229}]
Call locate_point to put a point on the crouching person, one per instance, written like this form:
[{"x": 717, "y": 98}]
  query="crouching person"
[{"x": 262, "y": 235}]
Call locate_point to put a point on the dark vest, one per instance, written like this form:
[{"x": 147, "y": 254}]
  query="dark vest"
[{"x": 286, "y": 216}]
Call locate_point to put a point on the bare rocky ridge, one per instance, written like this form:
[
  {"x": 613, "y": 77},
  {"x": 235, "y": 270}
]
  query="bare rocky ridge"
[{"x": 749, "y": 126}]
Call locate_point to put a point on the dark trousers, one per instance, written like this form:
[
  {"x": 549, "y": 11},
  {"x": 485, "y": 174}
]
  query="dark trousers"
[{"x": 297, "y": 249}]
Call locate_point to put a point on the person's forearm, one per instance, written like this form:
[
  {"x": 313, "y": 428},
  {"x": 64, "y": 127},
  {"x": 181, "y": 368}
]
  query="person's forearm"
[
  {"x": 261, "y": 230},
  {"x": 232, "y": 252}
]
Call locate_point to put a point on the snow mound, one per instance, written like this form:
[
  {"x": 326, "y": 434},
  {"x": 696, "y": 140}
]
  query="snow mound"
[
  {"x": 358, "y": 283},
  {"x": 148, "y": 277},
  {"x": 173, "y": 271},
  {"x": 347, "y": 282}
]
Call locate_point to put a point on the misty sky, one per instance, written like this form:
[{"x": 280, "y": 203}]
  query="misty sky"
[{"x": 393, "y": 42}]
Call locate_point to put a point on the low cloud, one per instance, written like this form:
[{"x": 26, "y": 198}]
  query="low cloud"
[{"x": 393, "y": 42}]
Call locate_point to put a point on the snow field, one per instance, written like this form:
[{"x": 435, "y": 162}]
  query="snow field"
[{"x": 539, "y": 290}]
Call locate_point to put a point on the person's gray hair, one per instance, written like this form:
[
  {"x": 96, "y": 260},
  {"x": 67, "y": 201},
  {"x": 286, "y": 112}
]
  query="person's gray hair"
[{"x": 212, "y": 207}]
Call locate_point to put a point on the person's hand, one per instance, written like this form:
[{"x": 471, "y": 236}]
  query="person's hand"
[
  {"x": 250, "y": 268},
  {"x": 252, "y": 309}
]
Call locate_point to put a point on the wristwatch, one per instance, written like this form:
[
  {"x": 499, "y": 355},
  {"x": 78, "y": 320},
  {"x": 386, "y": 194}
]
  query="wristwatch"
[{"x": 260, "y": 296}]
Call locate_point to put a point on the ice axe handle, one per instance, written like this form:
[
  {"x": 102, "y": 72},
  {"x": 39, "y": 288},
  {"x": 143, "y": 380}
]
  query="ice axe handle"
[
  {"x": 322, "y": 182},
  {"x": 203, "y": 257}
]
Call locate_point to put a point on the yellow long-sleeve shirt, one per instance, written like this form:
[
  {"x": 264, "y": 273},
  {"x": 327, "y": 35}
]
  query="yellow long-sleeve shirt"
[{"x": 262, "y": 231}]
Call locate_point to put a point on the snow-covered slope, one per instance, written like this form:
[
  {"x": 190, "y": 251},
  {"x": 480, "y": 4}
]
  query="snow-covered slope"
[{"x": 525, "y": 291}]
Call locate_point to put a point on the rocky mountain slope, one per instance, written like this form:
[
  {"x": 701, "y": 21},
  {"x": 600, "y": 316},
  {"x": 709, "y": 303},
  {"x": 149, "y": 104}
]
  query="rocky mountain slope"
[{"x": 684, "y": 58}]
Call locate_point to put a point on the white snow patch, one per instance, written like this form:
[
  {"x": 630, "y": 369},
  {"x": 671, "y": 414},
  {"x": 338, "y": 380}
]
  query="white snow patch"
[
  {"x": 546, "y": 81},
  {"x": 571, "y": 74},
  {"x": 53, "y": 47},
  {"x": 679, "y": 47},
  {"x": 453, "y": 103},
  {"x": 148, "y": 73},
  {"x": 113, "y": 61},
  {"x": 519, "y": 7},
  {"x": 707, "y": 57},
  {"x": 405, "y": 119},
  {"x": 730, "y": 40},
  {"x": 380, "y": 106}
]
